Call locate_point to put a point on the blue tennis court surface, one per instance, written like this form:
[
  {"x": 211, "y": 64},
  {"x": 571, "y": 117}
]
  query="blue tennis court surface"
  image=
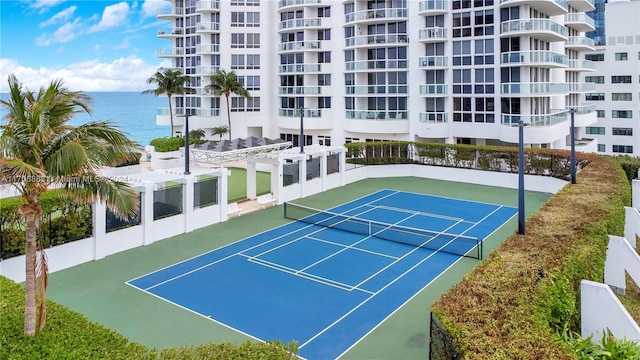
[{"x": 320, "y": 285}]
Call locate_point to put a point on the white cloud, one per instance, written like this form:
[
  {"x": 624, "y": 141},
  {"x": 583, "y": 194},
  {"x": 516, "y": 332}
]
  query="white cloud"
[
  {"x": 62, "y": 16},
  {"x": 43, "y": 40},
  {"x": 150, "y": 7},
  {"x": 44, "y": 5},
  {"x": 123, "y": 74},
  {"x": 67, "y": 32},
  {"x": 112, "y": 16}
]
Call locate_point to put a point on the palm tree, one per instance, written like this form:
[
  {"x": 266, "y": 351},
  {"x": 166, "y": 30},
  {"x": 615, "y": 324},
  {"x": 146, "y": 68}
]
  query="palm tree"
[
  {"x": 220, "y": 130},
  {"x": 39, "y": 149},
  {"x": 168, "y": 81},
  {"x": 226, "y": 83}
]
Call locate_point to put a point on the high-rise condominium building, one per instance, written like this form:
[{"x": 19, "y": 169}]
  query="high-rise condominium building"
[
  {"x": 617, "y": 81},
  {"x": 464, "y": 71}
]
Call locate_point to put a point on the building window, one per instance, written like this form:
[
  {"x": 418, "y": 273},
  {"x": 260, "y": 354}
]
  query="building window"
[
  {"x": 324, "y": 34},
  {"x": 324, "y": 140},
  {"x": 461, "y": 48},
  {"x": 594, "y": 57},
  {"x": 325, "y": 80},
  {"x": 621, "y": 114},
  {"x": 593, "y": 130},
  {"x": 621, "y": 56},
  {"x": 485, "y": 110},
  {"x": 253, "y": 61},
  {"x": 237, "y": 40},
  {"x": 594, "y": 79},
  {"x": 462, "y": 109},
  {"x": 621, "y": 97},
  {"x": 324, "y": 57},
  {"x": 253, "y": 40},
  {"x": 253, "y": 83},
  {"x": 324, "y": 102},
  {"x": 237, "y": 19},
  {"x": 253, "y": 2},
  {"x": 595, "y": 96},
  {"x": 350, "y": 140},
  {"x": 622, "y": 131},
  {"x": 624, "y": 149},
  {"x": 237, "y": 104},
  {"x": 324, "y": 11},
  {"x": 237, "y": 62},
  {"x": 600, "y": 114},
  {"x": 253, "y": 19},
  {"x": 602, "y": 147},
  {"x": 253, "y": 104},
  {"x": 621, "y": 79}
]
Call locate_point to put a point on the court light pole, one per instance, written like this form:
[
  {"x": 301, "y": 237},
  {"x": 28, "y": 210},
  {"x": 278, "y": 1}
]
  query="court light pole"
[
  {"x": 521, "y": 214},
  {"x": 186, "y": 142},
  {"x": 573, "y": 147}
]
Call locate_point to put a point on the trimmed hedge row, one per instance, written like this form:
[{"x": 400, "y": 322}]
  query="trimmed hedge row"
[
  {"x": 69, "y": 335},
  {"x": 521, "y": 301}
]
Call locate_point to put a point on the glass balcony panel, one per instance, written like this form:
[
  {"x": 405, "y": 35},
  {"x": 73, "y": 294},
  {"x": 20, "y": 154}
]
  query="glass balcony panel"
[{"x": 536, "y": 120}]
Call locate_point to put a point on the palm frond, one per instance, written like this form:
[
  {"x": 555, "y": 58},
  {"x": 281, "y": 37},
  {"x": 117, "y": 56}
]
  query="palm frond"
[
  {"x": 119, "y": 197},
  {"x": 42, "y": 276}
]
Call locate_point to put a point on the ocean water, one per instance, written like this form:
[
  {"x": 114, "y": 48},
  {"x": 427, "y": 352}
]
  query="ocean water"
[{"x": 132, "y": 112}]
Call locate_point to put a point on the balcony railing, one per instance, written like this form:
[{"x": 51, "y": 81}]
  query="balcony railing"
[
  {"x": 581, "y": 87},
  {"x": 582, "y": 64},
  {"x": 170, "y": 12},
  {"x": 377, "y": 114},
  {"x": 208, "y": 27},
  {"x": 299, "y": 90},
  {"x": 208, "y": 48},
  {"x": 547, "y": 7},
  {"x": 375, "y": 14},
  {"x": 207, "y": 69},
  {"x": 169, "y": 32},
  {"x": 536, "y": 26},
  {"x": 433, "y": 89},
  {"x": 300, "y": 68},
  {"x": 207, "y": 112},
  {"x": 536, "y": 120},
  {"x": 534, "y": 88},
  {"x": 376, "y": 39},
  {"x": 433, "y": 61},
  {"x": 433, "y": 5},
  {"x": 376, "y": 89},
  {"x": 432, "y": 33},
  {"x": 207, "y": 5},
  {"x": 583, "y": 109},
  {"x": 533, "y": 57},
  {"x": 376, "y": 64},
  {"x": 299, "y": 23},
  {"x": 434, "y": 117},
  {"x": 581, "y": 21},
  {"x": 170, "y": 52},
  {"x": 284, "y": 3},
  {"x": 164, "y": 111},
  {"x": 580, "y": 41},
  {"x": 300, "y": 45},
  {"x": 309, "y": 113}
]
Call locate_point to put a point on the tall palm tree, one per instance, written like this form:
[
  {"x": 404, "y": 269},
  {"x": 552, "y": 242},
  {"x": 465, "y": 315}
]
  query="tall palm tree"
[
  {"x": 220, "y": 130},
  {"x": 40, "y": 150},
  {"x": 226, "y": 83},
  {"x": 168, "y": 81}
]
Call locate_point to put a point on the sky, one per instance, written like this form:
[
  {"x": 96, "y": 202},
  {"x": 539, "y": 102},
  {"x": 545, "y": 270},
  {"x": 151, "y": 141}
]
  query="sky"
[{"x": 92, "y": 45}]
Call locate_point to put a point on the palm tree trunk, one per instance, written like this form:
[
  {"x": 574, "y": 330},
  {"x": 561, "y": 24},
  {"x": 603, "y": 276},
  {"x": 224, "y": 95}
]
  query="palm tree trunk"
[
  {"x": 171, "y": 114},
  {"x": 30, "y": 212},
  {"x": 228, "y": 116}
]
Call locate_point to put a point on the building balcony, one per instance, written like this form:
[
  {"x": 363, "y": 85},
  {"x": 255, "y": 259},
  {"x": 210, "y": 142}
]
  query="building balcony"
[
  {"x": 377, "y": 121},
  {"x": 207, "y": 28},
  {"x": 580, "y": 43},
  {"x": 580, "y": 22},
  {"x": 299, "y": 90},
  {"x": 315, "y": 45},
  {"x": 300, "y": 68},
  {"x": 433, "y": 34},
  {"x": 433, "y": 7},
  {"x": 433, "y": 125},
  {"x": 170, "y": 33},
  {"x": 535, "y": 120},
  {"x": 204, "y": 49},
  {"x": 377, "y": 15},
  {"x": 581, "y": 65},
  {"x": 534, "y": 89},
  {"x": 206, "y": 70},
  {"x": 367, "y": 65},
  {"x": 543, "y": 59},
  {"x": 431, "y": 62},
  {"x": 582, "y": 5},
  {"x": 543, "y": 29},
  {"x": 298, "y": 3},
  {"x": 585, "y": 114},
  {"x": 207, "y": 6},
  {"x": 169, "y": 52},
  {"x": 366, "y": 90},
  {"x": 433, "y": 90},
  {"x": 542, "y": 129},
  {"x": 313, "y": 23},
  {"x": 547, "y": 7},
  {"x": 376, "y": 40},
  {"x": 170, "y": 13},
  {"x": 308, "y": 113},
  {"x": 578, "y": 88},
  {"x": 433, "y": 117}
]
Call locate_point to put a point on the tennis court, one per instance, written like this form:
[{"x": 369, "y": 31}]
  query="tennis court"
[{"x": 331, "y": 277}]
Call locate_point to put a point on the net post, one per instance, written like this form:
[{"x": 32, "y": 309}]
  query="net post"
[{"x": 285, "y": 210}]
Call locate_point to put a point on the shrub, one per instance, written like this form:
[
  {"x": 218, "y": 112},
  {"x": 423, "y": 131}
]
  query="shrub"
[{"x": 167, "y": 144}]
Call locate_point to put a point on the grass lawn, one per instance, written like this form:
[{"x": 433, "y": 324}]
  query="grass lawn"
[{"x": 237, "y": 189}]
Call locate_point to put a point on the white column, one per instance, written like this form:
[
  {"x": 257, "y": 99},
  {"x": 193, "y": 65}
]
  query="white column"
[
  {"x": 323, "y": 171},
  {"x": 302, "y": 167},
  {"x": 147, "y": 213},
  {"x": 276, "y": 181},
  {"x": 223, "y": 185},
  {"x": 251, "y": 180},
  {"x": 99, "y": 229},
  {"x": 343, "y": 166}
]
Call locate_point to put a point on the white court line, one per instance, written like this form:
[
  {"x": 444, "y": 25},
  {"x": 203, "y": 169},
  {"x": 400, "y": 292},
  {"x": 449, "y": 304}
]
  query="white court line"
[
  {"x": 386, "y": 286},
  {"x": 305, "y": 275},
  {"x": 353, "y": 247},
  {"x": 438, "y": 216},
  {"x": 449, "y": 198}
]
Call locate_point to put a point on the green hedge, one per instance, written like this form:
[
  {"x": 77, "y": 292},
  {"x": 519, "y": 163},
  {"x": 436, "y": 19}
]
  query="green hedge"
[
  {"x": 69, "y": 335},
  {"x": 519, "y": 303},
  {"x": 167, "y": 144}
]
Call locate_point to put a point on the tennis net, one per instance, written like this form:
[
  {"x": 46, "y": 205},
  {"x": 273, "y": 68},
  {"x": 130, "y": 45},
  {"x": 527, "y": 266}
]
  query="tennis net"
[{"x": 461, "y": 245}]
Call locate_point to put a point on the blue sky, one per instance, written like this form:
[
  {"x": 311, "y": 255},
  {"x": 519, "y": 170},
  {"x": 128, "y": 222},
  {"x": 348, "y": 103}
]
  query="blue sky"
[{"x": 93, "y": 45}]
